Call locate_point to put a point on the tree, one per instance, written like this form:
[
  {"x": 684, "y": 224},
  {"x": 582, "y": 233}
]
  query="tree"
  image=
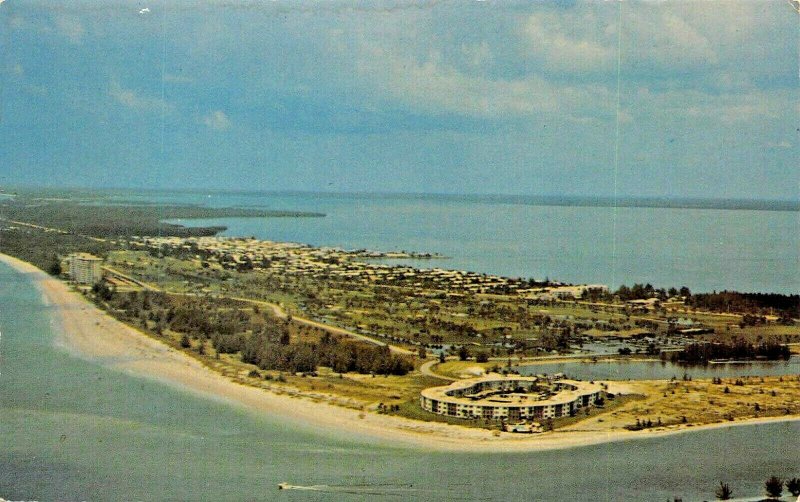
[
  {"x": 422, "y": 353},
  {"x": 482, "y": 357},
  {"x": 724, "y": 491},
  {"x": 463, "y": 353},
  {"x": 185, "y": 342},
  {"x": 793, "y": 485},
  {"x": 55, "y": 267},
  {"x": 774, "y": 487}
]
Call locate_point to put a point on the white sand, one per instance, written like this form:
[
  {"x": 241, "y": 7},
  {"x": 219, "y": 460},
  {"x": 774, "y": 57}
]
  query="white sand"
[{"x": 89, "y": 333}]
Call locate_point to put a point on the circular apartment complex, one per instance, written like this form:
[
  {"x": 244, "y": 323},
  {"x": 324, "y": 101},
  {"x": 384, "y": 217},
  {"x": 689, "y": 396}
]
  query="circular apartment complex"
[{"x": 512, "y": 398}]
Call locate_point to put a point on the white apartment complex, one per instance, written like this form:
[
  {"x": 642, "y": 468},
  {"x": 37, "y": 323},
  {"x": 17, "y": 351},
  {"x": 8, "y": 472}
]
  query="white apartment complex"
[{"x": 84, "y": 268}]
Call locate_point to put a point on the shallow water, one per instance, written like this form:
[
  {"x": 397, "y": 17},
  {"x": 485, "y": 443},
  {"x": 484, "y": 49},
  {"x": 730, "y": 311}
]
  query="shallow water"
[
  {"x": 657, "y": 370},
  {"x": 73, "y": 430}
]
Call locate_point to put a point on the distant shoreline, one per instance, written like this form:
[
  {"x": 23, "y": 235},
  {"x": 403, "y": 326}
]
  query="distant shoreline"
[
  {"x": 89, "y": 333},
  {"x": 631, "y": 201}
]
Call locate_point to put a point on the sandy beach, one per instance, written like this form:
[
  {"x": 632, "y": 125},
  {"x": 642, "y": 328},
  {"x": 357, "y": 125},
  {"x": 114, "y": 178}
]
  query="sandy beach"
[{"x": 87, "y": 332}]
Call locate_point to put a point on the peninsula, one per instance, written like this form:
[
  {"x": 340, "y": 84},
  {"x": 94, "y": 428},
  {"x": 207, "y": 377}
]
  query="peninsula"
[{"x": 293, "y": 330}]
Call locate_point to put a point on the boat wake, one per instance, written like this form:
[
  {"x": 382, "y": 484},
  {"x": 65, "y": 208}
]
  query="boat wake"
[
  {"x": 388, "y": 489},
  {"x": 401, "y": 490}
]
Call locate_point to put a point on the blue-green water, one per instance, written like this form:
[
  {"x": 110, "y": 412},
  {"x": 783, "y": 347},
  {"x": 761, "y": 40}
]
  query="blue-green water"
[
  {"x": 704, "y": 249},
  {"x": 657, "y": 370},
  {"x": 73, "y": 430}
]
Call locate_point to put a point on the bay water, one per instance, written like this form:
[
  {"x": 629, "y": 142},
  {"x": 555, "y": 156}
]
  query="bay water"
[{"x": 704, "y": 249}]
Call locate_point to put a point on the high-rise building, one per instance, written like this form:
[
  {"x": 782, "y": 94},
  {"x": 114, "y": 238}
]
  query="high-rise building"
[{"x": 84, "y": 268}]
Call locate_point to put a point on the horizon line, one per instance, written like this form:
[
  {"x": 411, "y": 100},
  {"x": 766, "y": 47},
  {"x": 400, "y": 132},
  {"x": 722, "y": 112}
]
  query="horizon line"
[{"x": 293, "y": 191}]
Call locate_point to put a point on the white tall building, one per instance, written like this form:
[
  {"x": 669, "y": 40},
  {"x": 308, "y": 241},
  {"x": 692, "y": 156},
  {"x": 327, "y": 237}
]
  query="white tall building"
[{"x": 84, "y": 268}]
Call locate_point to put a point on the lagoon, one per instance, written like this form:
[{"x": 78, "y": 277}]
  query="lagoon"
[{"x": 658, "y": 370}]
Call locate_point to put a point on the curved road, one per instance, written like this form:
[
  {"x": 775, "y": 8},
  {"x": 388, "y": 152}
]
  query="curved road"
[
  {"x": 278, "y": 312},
  {"x": 426, "y": 370}
]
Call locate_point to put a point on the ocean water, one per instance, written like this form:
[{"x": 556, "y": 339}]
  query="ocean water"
[
  {"x": 704, "y": 249},
  {"x": 71, "y": 429}
]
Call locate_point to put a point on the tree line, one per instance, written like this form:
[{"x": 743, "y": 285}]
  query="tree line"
[
  {"x": 732, "y": 301},
  {"x": 233, "y": 327},
  {"x": 272, "y": 349},
  {"x": 702, "y": 353}
]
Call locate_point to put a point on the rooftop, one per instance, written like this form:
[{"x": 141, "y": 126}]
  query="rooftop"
[{"x": 570, "y": 390}]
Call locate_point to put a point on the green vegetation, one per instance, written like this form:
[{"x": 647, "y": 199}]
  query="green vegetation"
[
  {"x": 724, "y": 491},
  {"x": 44, "y": 249},
  {"x": 117, "y": 220},
  {"x": 774, "y": 487},
  {"x": 702, "y": 353},
  {"x": 274, "y": 351},
  {"x": 732, "y": 301},
  {"x": 234, "y": 327},
  {"x": 793, "y": 485},
  {"x": 212, "y": 312}
]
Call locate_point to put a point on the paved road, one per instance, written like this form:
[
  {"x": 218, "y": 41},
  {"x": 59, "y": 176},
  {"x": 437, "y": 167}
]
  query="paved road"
[
  {"x": 280, "y": 313},
  {"x": 426, "y": 370}
]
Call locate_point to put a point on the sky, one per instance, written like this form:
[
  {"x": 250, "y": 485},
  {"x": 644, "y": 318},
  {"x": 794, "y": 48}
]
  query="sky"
[{"x": 677, "y": 99}]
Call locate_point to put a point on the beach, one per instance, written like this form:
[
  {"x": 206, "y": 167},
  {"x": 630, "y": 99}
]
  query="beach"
[{"x": 87, "y": 332}]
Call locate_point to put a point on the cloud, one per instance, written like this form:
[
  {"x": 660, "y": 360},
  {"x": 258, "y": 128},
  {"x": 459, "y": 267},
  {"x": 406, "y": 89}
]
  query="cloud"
[
  {"x": 431, "y": 85},
  {"x": 550, "y": 42},
  {"x": 136, "y": 101},
  {"x": 70, "y": 27},
  {"x": 177, "y": 79},
  {"x": 583, "y": 39},
  {"x": 217, "y": 120},
  {"x": 477, "y": 55},
  {"x": 18, "y": 70},
  {"x": 781, "y": 145}
]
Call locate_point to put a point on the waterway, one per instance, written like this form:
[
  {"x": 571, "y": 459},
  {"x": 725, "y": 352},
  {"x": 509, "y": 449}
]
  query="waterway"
[
  {"x": 71, "y": 429},
  {"x": 704, "y": 249},
  {"x": 658, "y": 370}
]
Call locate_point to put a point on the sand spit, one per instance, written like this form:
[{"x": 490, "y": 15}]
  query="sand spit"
[{"x": 87, "y": 332}]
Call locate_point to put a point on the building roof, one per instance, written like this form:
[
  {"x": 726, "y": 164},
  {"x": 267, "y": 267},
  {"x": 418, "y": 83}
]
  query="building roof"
[
  {"x": 85, "y": 257},
  {"x": 574, "y": 390}
]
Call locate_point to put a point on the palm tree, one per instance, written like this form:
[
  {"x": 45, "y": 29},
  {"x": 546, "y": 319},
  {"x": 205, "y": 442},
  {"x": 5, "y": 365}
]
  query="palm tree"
[
  {"x": 774, "y": 487},
  {"x": 724, "y": 491}
]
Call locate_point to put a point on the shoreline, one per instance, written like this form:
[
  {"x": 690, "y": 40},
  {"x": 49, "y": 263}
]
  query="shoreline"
[{"x": 87, "y": 332}]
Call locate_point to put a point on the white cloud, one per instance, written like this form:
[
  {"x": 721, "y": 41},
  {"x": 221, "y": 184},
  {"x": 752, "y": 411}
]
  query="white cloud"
[
  {"x": 217, "y": 120},
  {"x": 584, "y": 39},
  {"x": 17, "y": 22},
  {"x": 70, "y": 27},
  {"x": 477, "y": 55},
  {"x": 432, "y": 85},
  {"x": 666, "y": 40},
  {"x": 136, "y": 101},
  {"x": 782, "y": 145},
  {"x": 559, "y": 50},
  {"x": 177, "y": 79}
]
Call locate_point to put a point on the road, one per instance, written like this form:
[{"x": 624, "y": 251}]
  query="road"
[
  {"x": 426, "y": 370},
  {"x": 278, "y": 312}
]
